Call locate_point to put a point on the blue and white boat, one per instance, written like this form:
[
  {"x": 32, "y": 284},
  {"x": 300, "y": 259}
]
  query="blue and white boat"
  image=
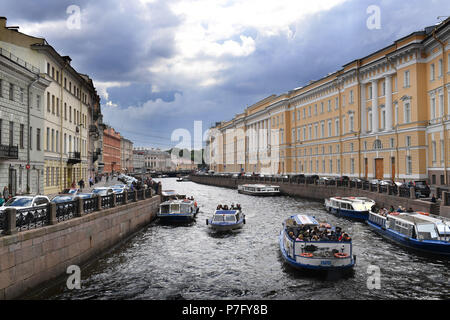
[
  {"x": 319, "y": 254},
  {"x": 357, "y": 208},
  {"x": 418, "y": 231},
  {"x": 227, "y": 220},
  {"x": 178, "y": 210}
]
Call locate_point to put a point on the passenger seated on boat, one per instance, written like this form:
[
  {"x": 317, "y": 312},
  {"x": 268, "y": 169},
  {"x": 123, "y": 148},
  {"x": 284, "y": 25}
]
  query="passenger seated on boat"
[
  {"x": 300, "y": 238},
  {"x": 238, "y": 206},
  {"x": 225, "y": 207},
  {"x": 345, "y": 237},
  {"x": 291, "y": 235},
  {"x": 410, "y": 210},
  {"x": 232, "y": 206},
  {"x": 391, "y": 209},
  {"x": 315, "y": 238},
  {"x": 219, "y": 207},
  {"x": 400, "y": 209}
]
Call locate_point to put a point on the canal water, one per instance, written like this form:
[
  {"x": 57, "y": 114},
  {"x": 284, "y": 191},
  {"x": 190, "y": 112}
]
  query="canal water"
[{"x": 189, "y": 262}]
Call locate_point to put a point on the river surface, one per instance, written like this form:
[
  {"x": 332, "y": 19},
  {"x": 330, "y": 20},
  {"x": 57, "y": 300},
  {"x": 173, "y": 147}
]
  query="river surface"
[{"x": 190, "y": 262}]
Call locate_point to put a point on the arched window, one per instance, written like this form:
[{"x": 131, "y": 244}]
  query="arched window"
[{"x": 377, "y": 145}]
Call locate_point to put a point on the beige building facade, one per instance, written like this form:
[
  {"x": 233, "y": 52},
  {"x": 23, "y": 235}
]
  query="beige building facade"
[{"x": 383, "y": 116}]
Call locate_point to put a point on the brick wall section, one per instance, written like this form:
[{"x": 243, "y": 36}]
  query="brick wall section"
[
  {"x": 321, "y": 192},
  {"x": 30, "y": 258}
]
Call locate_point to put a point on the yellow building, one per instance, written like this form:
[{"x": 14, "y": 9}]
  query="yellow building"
[
  {"x": 68, "y": 102},
  {"x": 383, "y": 116}
]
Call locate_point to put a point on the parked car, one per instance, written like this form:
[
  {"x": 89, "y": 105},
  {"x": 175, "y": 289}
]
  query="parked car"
[
  {"x": 23, "y": 202},
  {"x": 324, "y": 180},
  {"x": 374, "y": 181},
  {"x": 235, "y": 175},
  {"x": 69, "y": 197},
  {"x": 102, "y": 191},
  {"x": 70, "y": 191},
  {"x": 356, "y": 180},
  {"x": 421, "y": 188}
]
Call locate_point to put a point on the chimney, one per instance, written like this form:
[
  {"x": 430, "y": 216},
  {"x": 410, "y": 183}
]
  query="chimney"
[{"x": 3, "y": 22}]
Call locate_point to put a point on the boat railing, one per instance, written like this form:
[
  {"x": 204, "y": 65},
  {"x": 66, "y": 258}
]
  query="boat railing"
[{"x": 378, "y": 219}]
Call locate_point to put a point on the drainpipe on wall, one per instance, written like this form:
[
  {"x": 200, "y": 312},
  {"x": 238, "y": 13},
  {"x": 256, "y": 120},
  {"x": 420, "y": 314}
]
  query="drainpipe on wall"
[
  {"x": 445, "y": 98},
  {"x": 28, "y": 129}
]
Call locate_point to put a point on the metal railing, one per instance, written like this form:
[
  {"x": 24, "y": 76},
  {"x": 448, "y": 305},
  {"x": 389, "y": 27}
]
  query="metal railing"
[
  {"x": 107, "y": 201},
  {"x": 404, "y": 192},
  {"x": 90, "y": 204},
  {"x": 31, "y": 218},
  {"x": 120, "y": 198},
  {"x": 130, "y": 196},
  {"x": 66, "y": 210},
  {"x": 19, "y": 61}
]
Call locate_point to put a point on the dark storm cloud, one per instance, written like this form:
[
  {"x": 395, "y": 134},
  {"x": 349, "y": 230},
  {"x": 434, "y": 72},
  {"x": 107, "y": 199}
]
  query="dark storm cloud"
[{"x": 119, "y": 42}]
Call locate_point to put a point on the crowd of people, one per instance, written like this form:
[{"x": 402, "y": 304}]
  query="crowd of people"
[
  {"x": 232, "y": 207},
  {"x": 323, "y": 232},
  {"x": 385, "y": 212}
]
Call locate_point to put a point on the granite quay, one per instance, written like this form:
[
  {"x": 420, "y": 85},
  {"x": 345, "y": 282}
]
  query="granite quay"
[
  {"x": 39, "y": 244},
  {"x": 384, "y": 196}
]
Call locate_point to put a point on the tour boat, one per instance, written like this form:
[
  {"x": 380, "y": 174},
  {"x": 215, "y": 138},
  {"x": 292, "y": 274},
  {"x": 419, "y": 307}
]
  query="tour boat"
[
  {"x": 178, "y": 210},
  {"x": 331, "y": 254},
  {"x": 182, "y": 179},
  {"x": 171, "y": 195},
  {"x": 259, "y": 190},
  {"x": 350, "y": 207},
  {"x": 417, "y": 230},
  {"x": 226, "y": 220}
]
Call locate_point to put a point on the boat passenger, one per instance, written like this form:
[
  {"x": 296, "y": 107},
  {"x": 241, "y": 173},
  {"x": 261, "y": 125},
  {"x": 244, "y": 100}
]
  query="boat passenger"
[
  {"x": 410, "y": 210},
  {"x": 300, "y": 238},
  {"x": 225, "y": 207},
  {"x": 219, "y": 207},
  {"x": 391, "y": 209},
  {"x": 291, "y": 235},
  {"x": 232, "y": 206},
  {"x": 238, "y": 206}
]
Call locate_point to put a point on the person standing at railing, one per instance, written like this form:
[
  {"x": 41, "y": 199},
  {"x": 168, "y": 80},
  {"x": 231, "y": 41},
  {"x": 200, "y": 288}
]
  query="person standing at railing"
[{"x": 5, "y": 193}]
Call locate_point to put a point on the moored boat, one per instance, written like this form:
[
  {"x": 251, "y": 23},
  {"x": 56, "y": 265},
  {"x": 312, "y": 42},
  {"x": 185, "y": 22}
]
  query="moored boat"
[
  {"x": 350, "y": 207},
  {"x": 259, "y": 190},
  {"x": 178, "y": 210},
  {"x": 308, "y": 244},
  {"x": 226, "y": 219},
  {"x": 414, "y": 230}
]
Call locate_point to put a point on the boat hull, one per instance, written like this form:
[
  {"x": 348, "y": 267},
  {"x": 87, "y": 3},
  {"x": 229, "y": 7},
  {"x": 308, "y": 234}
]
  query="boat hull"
[
  {"x": 303, "y": 266},
  {"x": 350, "y": 214},
  {"x": 425, "y": 246},
  {"x": 177, "y": 217},
  {"x": 260, "y": 194},
  {"x": 225, "y": 226}
]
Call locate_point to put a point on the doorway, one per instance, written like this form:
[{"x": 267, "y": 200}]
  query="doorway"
[{"x": 379, "y": 169}]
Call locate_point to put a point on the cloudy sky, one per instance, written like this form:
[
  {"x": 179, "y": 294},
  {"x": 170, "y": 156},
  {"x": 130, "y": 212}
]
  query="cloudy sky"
[{"x": 160, "y": 65}]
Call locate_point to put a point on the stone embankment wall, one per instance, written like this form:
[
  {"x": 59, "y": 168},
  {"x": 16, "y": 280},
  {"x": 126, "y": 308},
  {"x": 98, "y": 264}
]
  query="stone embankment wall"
[
  {"x": 321, "y": 192},
  {"x": 31, "y": 258}
]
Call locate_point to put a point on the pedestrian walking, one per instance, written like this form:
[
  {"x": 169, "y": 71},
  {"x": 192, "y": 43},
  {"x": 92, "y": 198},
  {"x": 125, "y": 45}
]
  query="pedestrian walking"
[
  {"x": 81, "y": 184},
  {"x": 5, "y": 193},
  {"x": 91, "y": 182}
]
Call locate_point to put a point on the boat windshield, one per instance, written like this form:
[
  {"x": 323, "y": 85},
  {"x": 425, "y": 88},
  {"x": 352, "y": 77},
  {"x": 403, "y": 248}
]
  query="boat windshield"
[
  {"x": 175, "y": 207},
  {"x": 165, "y": 209},
  {"x": 185, "y": 208},
  {"x": 427, "y": 232},
  {"x": 218, "y": 218},
  {"x": 230, "y": 218}
]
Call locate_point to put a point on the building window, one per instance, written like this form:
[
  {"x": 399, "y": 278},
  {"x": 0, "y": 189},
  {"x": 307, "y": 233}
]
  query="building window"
[
  {"x": 22, "y": 94},
  {"x": 38, "y": 102},
  {"x": 11, "y": 92},
  {"x": 11, "y": 133},
  {"x": 441, "y": 105},
  {"x": 321, "y": 107},
  {"x": 406, "y": 80},
  {"x": 433, "y": 108},
  {"x": 47, "y": 176},
  {"x": 53, "y": 140},
  {"x": 432, "y": 72},
  {"x": 408, "y": 165},
  {"x": 383, "y": 118},
  {"x": 370, "y": 92},
  {"x": 392, "y": 141},
  {"x": 442, "y": 150},
  {"x": 329, "y": 105},
  {"x": 377, "y": 145},
  {"x": 433, "y": 150},
  {"x": 48, "y": 101},
  {"x": 370, "y": 121},
  {"x": 407, "y": 112},
  {"x": 352, "y": 123},
  {"x": 352, "y": 166},
  {"x": 1, "y": 88},
  {"x": 38, "y": 139},
  {"x": 351, "y": 97},
  {"x": 440, "y": 68},
  {"x": 22, "y": 136},
  {"x": 47, "y": 147},
  {"x": 336, "y": 122}
]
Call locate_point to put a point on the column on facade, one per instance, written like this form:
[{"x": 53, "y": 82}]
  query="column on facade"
[
  {"x": 375, "y": 125},
  {"x": 363, "y": 114},
  {"x": 388, "y": 107}
]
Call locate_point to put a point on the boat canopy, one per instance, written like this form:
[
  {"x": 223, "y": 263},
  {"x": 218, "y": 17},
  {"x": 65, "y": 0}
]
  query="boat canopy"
[
  {"x": 226, "y": 212},
  {"x": 308, "y": 220}
]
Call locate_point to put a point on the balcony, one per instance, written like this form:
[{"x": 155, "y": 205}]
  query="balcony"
[
  {"x": 9, "y": 152},
  {"x": 74, "y": 158}
]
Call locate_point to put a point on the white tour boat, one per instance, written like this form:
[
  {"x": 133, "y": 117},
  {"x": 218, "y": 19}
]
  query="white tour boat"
[
  {"x": 259, "y": 190},
  {"x": 225, "y": 219},
  {"x": 308, "y": 244},
  {"x": 350, "y": 207}
]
